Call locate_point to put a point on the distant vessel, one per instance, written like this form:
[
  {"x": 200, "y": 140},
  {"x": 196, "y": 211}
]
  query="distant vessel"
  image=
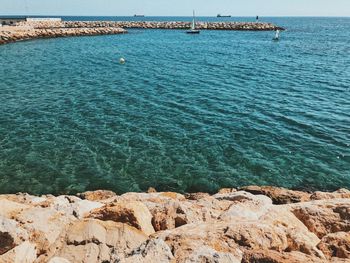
[
  {"x": 277, "y": 35},
  {"x": 139, "y": 15},
  {"x": 193, "y": 29},
  {"x": 219, "y": 15}
]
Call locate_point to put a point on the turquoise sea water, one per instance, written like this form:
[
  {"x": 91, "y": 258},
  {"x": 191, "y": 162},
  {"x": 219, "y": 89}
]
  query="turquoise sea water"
[{"x": 185, "y": 113}]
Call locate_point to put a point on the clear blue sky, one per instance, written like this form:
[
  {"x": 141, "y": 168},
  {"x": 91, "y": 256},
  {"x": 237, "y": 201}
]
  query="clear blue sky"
[{"x": 177, "y": 7}]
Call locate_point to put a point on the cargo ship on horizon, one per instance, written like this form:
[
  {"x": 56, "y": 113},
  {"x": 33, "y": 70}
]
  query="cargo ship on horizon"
[{"x": 219, "y": 15}]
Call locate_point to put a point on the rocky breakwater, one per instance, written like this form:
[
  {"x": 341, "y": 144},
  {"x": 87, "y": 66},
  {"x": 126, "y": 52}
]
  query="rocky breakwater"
[
  {"x": 20, "y": 33},
  {"x": 53, "y": 29},
  {"x": 252, "y": 224},
  {"x": 249, "y": 26}
]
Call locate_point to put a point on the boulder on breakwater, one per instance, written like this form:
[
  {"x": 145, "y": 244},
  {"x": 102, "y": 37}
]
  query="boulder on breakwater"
[{"x": 261, "y": 224}]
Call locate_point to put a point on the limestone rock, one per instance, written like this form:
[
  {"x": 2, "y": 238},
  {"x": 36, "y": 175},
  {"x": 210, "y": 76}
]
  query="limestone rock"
[
  {"x": 325, "y": 216},
  {"x": 235, "y": 196},
  {"x": 10, "y": 208},
  {"x": 22, "y": 198},
  {"x": 11, "y": 233},
  {"x": 336, "y": 245},
  {"x": 257, "y": 236},
  {"x": 341, "y": 193},
  {"x": 122, "y": 236},
  {"x": 87, "y": 253},
  {"x": 245, "y": 206},
  {"x": 71, "y": 205},
  {"x": 6, "y": 242},
  {"x": 270, "y": 256},
  {"x": 230, "y": 226},
  {"x": 135, "y": 214},
  {"x": 155, "y": 197},
  {"x": 227, "y": 190},
  {"x": 98, "y": 195},
  {"x": 24, "y": 253},
  {"x": 151, "y": 190},
  {"x": 172, "y": 213},
  {"x": 298, "y": 235},
  {"x": 149, "y": 251},
  {"x": 44, "y": 225},
  {"x": 81, "y": 208},
  {"x": 208, "y": 254},
  {"x": 100, "y": 232},
  {"x": 87, "y": 231},
  {"x": 92, "y": 240},
  {"x": 196, "y": 196},
  {"x": 163, "y": 216},
  {"x": 204, "y": 241},
  {"x": 278, "y": 195},
  {"x": 58, "y": 260},
  {"x": 209, "y": 208}
]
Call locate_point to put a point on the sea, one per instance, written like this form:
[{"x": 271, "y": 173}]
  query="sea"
[{"x": 185, "y": 113}]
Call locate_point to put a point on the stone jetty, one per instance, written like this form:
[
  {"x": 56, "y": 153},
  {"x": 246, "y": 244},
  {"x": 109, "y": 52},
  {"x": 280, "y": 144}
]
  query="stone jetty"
[
  {"x": 248, "y": 26},
  {"x": 47, "y": 29},
  {"x": 250, "y": 224},
  {"x": 10, "y": 34}
]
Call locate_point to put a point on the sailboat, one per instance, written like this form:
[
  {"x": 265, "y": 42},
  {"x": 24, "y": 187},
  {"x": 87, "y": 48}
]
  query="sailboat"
[
  {"x": 193, "y": 29},
  {"x": 277, "y": 36}
]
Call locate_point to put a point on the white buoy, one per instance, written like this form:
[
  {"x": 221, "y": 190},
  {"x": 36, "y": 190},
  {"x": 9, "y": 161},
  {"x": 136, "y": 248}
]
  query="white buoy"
[{"x": 122, "y": 60}]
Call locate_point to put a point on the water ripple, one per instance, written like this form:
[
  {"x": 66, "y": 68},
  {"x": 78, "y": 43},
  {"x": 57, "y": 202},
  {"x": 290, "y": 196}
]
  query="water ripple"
[{"x": 184, "y": 113}]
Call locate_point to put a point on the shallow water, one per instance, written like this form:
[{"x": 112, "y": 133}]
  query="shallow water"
[{"x": 185, "y": 113}]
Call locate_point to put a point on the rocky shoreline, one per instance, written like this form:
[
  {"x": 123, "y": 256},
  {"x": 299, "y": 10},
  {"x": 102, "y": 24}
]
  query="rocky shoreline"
[
  {"x": 250, "y": 224},
  {"x": 52, "y": 29}
]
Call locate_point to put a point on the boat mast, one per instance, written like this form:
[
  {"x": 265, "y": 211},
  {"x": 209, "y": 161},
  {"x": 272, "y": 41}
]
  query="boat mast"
[{"x": 194, "y": 21}]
